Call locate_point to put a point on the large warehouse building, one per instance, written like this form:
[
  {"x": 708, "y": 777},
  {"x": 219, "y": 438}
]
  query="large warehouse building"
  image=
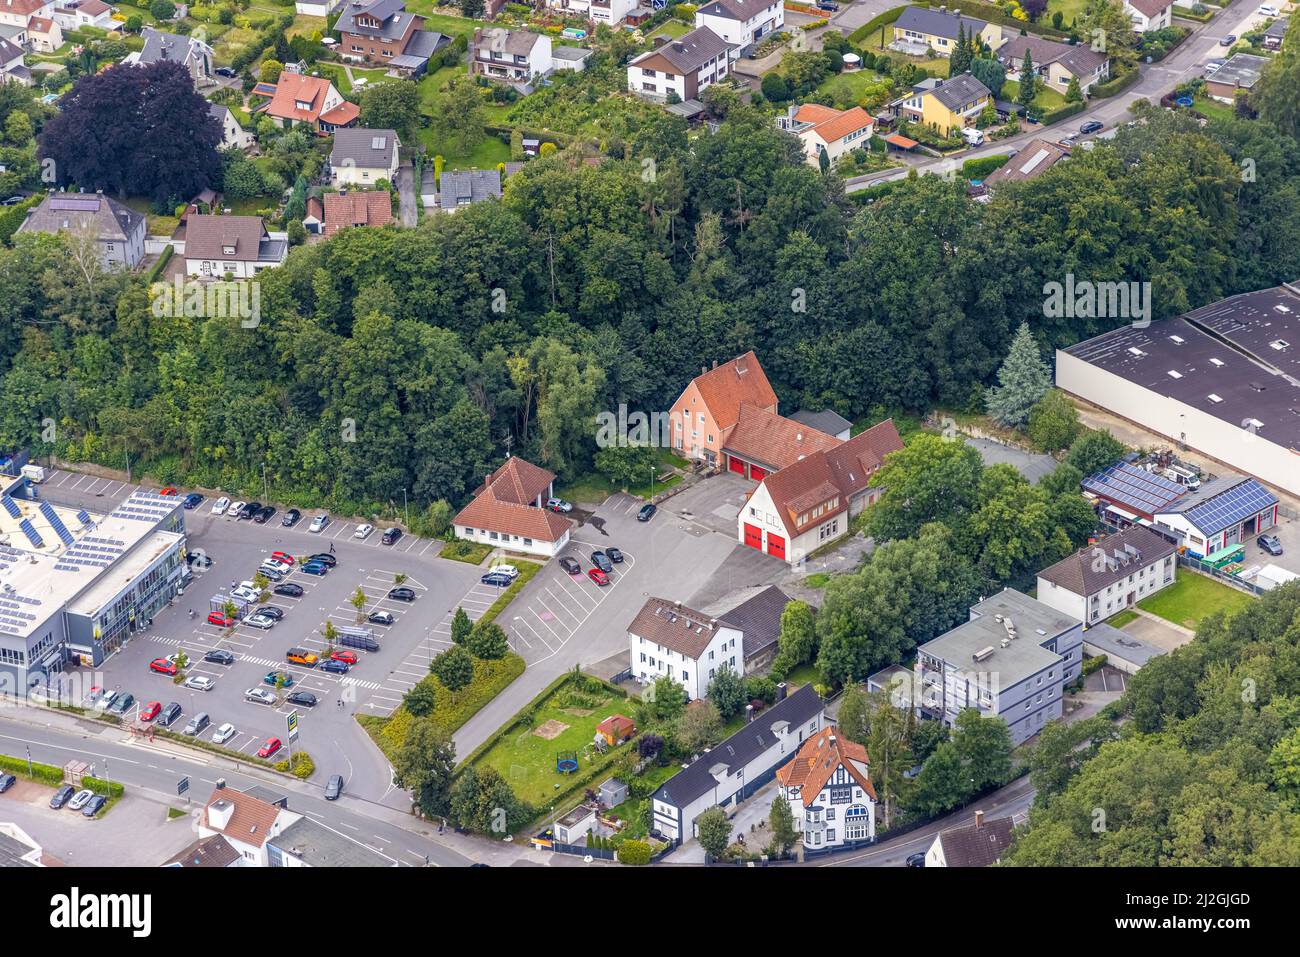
[
  {"x": 1223, "y": 380},
  {"x": 74, "y": 586}
]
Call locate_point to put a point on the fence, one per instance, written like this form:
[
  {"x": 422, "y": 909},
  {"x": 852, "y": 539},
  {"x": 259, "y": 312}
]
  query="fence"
[{"x": 1196, "y": 565}]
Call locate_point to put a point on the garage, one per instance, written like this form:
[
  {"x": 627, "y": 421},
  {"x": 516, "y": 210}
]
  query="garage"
[
  {"x": 736, "y": 465},
  {"x": 753, "y": 536},
  {"x": 757, "y": 474},
  {"x": 776, "y": 546}
]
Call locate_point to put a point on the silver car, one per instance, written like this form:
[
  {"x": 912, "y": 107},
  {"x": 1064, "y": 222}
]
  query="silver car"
[
  {"x": 79, "y": 799},
  {"x": 200, "y": 683},
  {"x": 259, "y": 696},
  {"x": 264, "y": 622}
]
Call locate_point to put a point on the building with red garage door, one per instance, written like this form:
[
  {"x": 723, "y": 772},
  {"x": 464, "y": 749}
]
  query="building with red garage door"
[
  {"x": 808, "y": 503},
  {"x": 707, "y": 410}
]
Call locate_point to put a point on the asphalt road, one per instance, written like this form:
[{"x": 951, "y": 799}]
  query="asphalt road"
[{"x": 1185, "y": 63}]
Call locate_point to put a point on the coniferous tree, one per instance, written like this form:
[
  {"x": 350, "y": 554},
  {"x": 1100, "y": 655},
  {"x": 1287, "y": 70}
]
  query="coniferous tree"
[
  {"x": 1028, "y": 82},
  {"x": 1022, "y": 381}
]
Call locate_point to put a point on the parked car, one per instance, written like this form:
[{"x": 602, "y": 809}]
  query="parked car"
[
  {"x": 121, "y": 704},
  {"x": 599, "y": 577},
  {"x": 223, "y": 733},
  {"x": 647, "y": 512},
  {"x": 199, "y": 683},
  {"x": 62, "y": 796},
  {"x": 334, "y": 667},
  {"x": 1268, "y": 10},
  {"x": 273, "y": 678},
  {"x": 301, "y": 656},
  {"x": 196, "y": 724},
  {"x": 80, "y": 799},
  {"x": 6, "y": 782},
  {"x": 363, "y": 530},
  {"x": 291, "y": 518},
  {"x": 270, "y": 611},
  {"x": 94, "y": 806},
  {"x": 381, "y": 618},
  {"x": 323, "y": 558},
  {"x": 829, "y": 6},
  {"x": 264, "y": 622},
  {"x": 246, "y": 593},
  {"x": 289, "y": 590},
  {"x": 192, "y": 501},
  {"x": 401, "y": 593},
  {"x": 916, "y": 860},
  {"x": 168, "y": 714},
  {"x": 571, "y": 565},
  {"x": 319, "y": 522},
  {"x": 284, "y": 558},
  {"x": 220, "y": 505},
  {"x": 601, "y": 561},
  {"x": 559, "y": 505},
  {"x": 334, "y": 787},
  {"x": 264, "y": 514},
  {"x": 225, "y": 71},
  {"x": 259, "y": 696},
  {"x": 272, "y": 572},
  {"x": 391, "y": 535},
  {"x": 219, "y": 619},
  {"x": 199, "y": 559},
  {"x": 501, "y": 568},
  {"x": 236, "y": 509},
  {"x": 1229, "y": 40},
  {"x": 1270, "y": 544},
  {"x": 249, "y": 510},
  {"x": 169, "y": 490},
  {"x": 315, "y": 568},
  {"x": 150, "y": 711},
  {"x": 162, "y": 666},
  {"x": 1214, "y": 64},
  {"x": 269, "y": 748},
  {"x": 304, "y": 698},
  {"x": 1092, "y": 126},
  {"x": 497, "y": 580},
  {"x": 615, "y": 555},
  {"x": 349, "y": 658}
]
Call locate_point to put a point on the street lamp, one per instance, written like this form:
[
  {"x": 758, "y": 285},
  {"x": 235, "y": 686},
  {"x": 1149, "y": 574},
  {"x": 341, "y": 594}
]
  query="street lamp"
[
  {"x": 266, "y": 489},
  {"x": 405, "y": 510}
]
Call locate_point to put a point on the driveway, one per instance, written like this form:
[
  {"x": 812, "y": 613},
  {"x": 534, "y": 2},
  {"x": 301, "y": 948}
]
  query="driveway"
[
  {"x": 1032, "y": 465},
  {"x": 854, "y": 15},
  {"x": 406, "y": 195},
  {"x": 712, "y": 504},
  {"x": 751, "y": 814}
]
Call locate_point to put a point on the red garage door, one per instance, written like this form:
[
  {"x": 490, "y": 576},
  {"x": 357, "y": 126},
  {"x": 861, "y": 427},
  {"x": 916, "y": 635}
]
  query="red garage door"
[
  {"x": 757, "y": 474},
  {"x": 775, "y": 546},
  {"x": 753, "y": 536},
  {"x": 735, "y": 464}
]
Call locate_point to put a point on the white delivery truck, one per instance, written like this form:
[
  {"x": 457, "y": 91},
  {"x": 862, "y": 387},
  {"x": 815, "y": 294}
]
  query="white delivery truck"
[
  {"x": 972, "y": 136},
  {"x": 34, "y": 473}
]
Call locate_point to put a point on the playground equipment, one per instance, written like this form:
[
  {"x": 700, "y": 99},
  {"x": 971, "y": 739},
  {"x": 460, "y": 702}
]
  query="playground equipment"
[{"x": 566, "y": 762}]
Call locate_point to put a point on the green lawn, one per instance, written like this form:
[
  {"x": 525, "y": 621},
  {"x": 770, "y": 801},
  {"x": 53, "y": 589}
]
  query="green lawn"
[
  {"x": 594, "y": 488},
  {"x": 526, "y": 759},
  {"x": 1044, "y": 100},
  {"x": 1193, "y": 597},
  {"x": 1069, "y": 10},
  {"x": 1123, "y": 618},
  {"x": 853, "y": 84},
  {"x": 449, "y": 24},
  {"x": 471, "y": 553},
  {"x": 488, "y": 153},
  {"x": 805, "y": 674},
  {"x": 339, "y": 76},
  {"x": 817, "y": 580},
  {"x": 1213, "y": 109},
  {"x": 672, "y": 28}
]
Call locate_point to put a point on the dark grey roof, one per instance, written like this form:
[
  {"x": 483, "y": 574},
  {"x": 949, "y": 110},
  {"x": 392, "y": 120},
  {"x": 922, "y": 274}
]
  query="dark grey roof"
[
  {"x": 9, "y": 51},
  {"x": 1242, "y": 70},
  {"x": 1244, "y": 351},
  {"x": 1096, "y": 567},
  {"x": 213, "y": 851},
  {"x": 391, "y": 14},
  {"x": 1079, "y": 59},
  {"x": 759, "y": 619},
  {"x": 826, "y": 421},
  {"x": 512, "y": 42},
  {"x": 363, "y": 148},
  {"x": 12, "y": 851},
  {"x": 106, "y": 216},
  {"x": 1112, "y": 642},
  {"x": 269, "y": 795},
  {"x": 690, "y": 51},
  {"x": 926, "y": 20},
  {"x": 169, "y": 47},
  {"x": 463, "y": 187},
  {"x": 1278, "y": 27},
  {"x": 972, "y": 846},
  {"x": 561, "y": 52},
  {"x": 320, "y": 846},
  {"x": 741, "y": 748},
  {"x": 960, "y": 91},
  {"x": 424, "y": 43},
  {"x": 739, "y": 10}
]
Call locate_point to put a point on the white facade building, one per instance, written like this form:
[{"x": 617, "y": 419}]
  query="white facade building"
[
  {"x": 741, "y": 22},
  {"x": 668, "y": 639},
  {"x": 828, "y": 787},
  {"x": 1105, "y": 578},
  {"x": 1149, "y": 15}
]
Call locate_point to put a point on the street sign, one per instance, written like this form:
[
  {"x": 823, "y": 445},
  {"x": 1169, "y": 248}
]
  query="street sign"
[
  {"x": 292, "y": 722},
  {"x": 182, "y": 786}
]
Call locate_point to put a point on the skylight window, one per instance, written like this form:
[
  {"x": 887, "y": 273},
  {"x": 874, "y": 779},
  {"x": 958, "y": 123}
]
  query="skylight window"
[
  {"x": 1214, "y": 398},
  {"x": 1217, "y": 362},
  {"x": 1136, "y": 351},
  {"x": 1279, "y": 344},
  {"x": 1178, "y": 339},
  {"x": 1175, "y": 374}
]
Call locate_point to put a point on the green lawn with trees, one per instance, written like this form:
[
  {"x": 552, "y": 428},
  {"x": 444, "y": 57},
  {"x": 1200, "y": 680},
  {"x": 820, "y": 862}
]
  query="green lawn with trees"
[{"x": 1194, "y": 597}]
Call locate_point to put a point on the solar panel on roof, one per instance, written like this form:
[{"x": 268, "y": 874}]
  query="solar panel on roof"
[
  {"x": 56, "y": 523},
  {"x": 1230, "y": 507},
  {"x": 11, "y": 507},
  {"x": 1135, "y": 486},
  {"x": 29, "y": 530},
  {"x": 83, "y": 517},
  {"x": 75, "y": 205}
]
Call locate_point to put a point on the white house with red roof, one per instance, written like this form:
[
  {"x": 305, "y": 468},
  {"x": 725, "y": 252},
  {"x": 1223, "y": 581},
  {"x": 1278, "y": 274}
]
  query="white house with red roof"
[
  {"x": 828, "y": 786},
  {"x": 16, "y": 13},
  {"x": 822, "y": 129},
  {"x": 799, "y": 508},
  {"x": 314, "y": 100},
  {"x": 509, "y": 511},
  {"x": 1148, "y": 15}
]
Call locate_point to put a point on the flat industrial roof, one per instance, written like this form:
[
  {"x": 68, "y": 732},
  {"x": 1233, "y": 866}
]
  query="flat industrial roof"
[
  {"x": 1120, "y": 644},
  {"x": 1237, "y": 359},
  {"x": 78, "y": 560},
  {"x": 1034, "y": 623}
]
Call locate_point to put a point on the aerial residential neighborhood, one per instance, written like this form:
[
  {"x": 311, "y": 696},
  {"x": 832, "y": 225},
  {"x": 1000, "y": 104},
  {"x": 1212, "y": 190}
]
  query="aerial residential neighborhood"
[{"x": 595, "y": 435}]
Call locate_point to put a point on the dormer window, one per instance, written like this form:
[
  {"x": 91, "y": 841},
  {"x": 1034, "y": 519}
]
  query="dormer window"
[{"x": 228, "y": 250}]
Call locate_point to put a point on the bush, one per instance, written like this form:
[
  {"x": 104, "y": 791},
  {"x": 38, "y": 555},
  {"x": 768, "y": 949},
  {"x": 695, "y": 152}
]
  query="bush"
[
  {"x": 1061, "y": 113},
  {"x": 634, "y": 853},
  {"x": 1116, "y": 84},
  {"x": 302, "y": 767},
  {"x": 980, "y": 168}
]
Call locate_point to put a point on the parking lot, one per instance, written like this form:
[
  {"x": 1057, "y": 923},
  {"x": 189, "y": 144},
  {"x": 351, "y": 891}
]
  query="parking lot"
[{"x": 372, "y": 686}]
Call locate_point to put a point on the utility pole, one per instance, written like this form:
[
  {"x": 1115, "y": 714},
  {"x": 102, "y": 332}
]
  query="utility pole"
[
  {"x": 266, "y": 489},
  {"x": 406, "y": 511}
]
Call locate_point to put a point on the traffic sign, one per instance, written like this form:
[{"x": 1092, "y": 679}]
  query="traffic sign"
[
  {"x": 292, "y": 722},
  {"x": 182, "y": 786}
]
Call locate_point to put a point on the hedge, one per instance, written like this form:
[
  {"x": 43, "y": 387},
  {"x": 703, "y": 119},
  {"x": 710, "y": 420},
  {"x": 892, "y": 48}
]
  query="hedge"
[
  {"x": 874, "y": 24},
  {"x": 303, "y": 766},
  {"x": 109, "y": 789},
  {"x": 634, "y": 853},
  {"x": 156, "y": 269},
  {"x": 1062, "y": 113},
  {"x": 45, "y": 773},
  {"x": 526, "y": 572},
  {"x": 1116, "y": 84},
  {"x": 11, "y": 217},
  {"x": 981, "y": 167},
  {"x": 1186, "y": 13}
]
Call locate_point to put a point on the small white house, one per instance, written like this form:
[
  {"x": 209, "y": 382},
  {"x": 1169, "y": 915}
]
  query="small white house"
[
  {"x": 1149, "y": 15},
  {"x": 233, "y": 136},
  {"x": 362, "y": 157},
  {"x": 668, "y": 639},
  {"x": 509, "y": 511},
  {"x": 741, "y": 22}
]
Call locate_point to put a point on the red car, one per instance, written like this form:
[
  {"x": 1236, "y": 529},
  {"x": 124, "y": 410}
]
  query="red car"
[
  {"x": 347, "y": 657},
  {"x": 283, "y": 556},
  {"x": 272, "y": 745},
  {"x": 150, "y": 711},
  {"x": 218, "y": 619},
  {"x": 162, "y": 666},
  {"x": 599, "y": 577},
  {"x": 169, "y": 490}
]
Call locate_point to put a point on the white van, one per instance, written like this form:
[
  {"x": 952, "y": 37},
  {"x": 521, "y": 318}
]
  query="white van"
[
  {"x": 1182, "y": 476},
  {"x": 34, "y": 473},
  {"x": 972, "y": 136}
]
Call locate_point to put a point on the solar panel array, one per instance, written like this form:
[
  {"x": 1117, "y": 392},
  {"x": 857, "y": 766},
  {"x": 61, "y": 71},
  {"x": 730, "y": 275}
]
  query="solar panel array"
[
  {"x": 11, "y": 507},
  {"x": 84, "y": 517},
  {"x": 11, "y": 609},
  {"x": 1231, "y": 506},
  {"x": 1147, "y": 491},
  {"x": 56, "y": 523},
  {"x": 75, "y": 205},
  {"x": 29, "y": 530}
]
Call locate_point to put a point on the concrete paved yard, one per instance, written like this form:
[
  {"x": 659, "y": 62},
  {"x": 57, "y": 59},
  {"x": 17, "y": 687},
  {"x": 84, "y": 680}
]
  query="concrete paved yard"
[{"x": 1032, "y": 465}]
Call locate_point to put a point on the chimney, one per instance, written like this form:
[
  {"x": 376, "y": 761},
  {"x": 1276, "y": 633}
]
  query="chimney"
[
  {"x": 678, "y": 604},
  {"x": 221, "y": 784},
  {"x": 781, "y": 691},
  {"x": 715, "y": 363},
  {"x": 219, "y": 814},
  {"x": 979, "y": 820}
]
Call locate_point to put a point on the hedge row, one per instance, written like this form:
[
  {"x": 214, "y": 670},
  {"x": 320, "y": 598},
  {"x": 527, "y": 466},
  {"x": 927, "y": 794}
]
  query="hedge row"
[
  {"x": 1062, "y": 113},
  {"x": 45, "y": 773},
  {"x": 1185, "y": 13},
  {"x": 874, "y": 24},
  {"x": 526, "y": 572},
  {"x": 109, "y": 789},
  {"x": 156, "y": 269},
  {"x": 11, "y": 217},
  {"x": 1116, "y": 84},
  {"x": 981, "y": 167}
]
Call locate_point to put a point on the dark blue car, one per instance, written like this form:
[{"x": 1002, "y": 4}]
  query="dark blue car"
[
  {"x": 497, "y": 579},
  {"x": 192, "y": 500},
  {"x": 94, "y": 805},
  {"x": 315, "y": 568},
  {"x": 333, "y": 667}
]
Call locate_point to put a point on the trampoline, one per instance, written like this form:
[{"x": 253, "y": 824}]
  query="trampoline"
[{"x": 566, "y": 762}]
